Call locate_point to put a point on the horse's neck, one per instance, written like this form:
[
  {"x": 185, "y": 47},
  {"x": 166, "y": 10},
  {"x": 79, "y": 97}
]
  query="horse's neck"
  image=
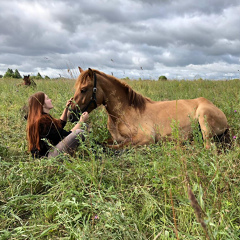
[{"x": 115, "y": 99}]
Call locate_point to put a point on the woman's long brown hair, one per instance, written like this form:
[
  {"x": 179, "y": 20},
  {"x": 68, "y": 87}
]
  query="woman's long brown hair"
[
  {"x": 35, "y": 110},
  {"x": 35, "y": 118}
]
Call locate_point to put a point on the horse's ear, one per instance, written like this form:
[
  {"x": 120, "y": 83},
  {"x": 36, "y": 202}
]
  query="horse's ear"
[
  {"x": 90, "y": 73},
  {"x": 80, "y": 69}
]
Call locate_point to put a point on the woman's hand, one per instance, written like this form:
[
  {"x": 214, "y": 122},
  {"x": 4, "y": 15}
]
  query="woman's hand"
[
  {"x": 65, "y": 111},
  {"x": 69, "y": 102},
  {"x": 84, "y": 117}
]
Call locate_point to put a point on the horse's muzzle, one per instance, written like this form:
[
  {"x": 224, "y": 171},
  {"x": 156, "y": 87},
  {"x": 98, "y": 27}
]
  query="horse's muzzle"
[{"x": 74, "y": 116}]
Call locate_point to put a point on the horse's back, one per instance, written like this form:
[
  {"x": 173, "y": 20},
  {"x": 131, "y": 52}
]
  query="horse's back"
[
  {"x": 165, "y": 114},
  {"x": 175, "y": 108}
]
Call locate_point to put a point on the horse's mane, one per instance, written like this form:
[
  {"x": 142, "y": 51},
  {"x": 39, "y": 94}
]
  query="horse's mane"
[
  {"x": 82, "y": 79},
  {"x": 135, "y": 99}
]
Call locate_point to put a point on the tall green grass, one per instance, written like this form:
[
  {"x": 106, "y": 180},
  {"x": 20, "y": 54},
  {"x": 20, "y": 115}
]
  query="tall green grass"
[{"x": 161, "y": 191}]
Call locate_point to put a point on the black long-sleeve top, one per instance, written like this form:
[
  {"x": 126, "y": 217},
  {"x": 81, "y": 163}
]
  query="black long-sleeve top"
[{"x": 51, "y": 132}]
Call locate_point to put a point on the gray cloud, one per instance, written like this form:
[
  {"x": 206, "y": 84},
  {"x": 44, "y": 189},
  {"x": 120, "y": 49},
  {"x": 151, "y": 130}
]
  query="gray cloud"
[{"x": 133, "y": 38}]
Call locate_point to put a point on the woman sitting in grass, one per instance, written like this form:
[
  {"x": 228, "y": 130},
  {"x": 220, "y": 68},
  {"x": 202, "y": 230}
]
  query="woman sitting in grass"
[{"x": 46, "y": 135}]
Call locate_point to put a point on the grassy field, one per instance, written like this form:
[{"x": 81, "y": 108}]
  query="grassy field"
[{"x": 162, "y": 191}]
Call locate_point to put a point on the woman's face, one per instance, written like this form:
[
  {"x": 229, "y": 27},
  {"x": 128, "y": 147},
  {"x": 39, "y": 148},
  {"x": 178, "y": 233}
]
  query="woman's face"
[{"x": 47, "y": 104}]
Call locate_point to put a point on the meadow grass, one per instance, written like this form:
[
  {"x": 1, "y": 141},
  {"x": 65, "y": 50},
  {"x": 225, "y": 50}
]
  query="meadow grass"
[{"x": 161, "y": 191}]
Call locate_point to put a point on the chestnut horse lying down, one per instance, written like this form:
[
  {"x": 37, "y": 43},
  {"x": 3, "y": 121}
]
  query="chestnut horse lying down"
[{"x": 137, "y": 120}]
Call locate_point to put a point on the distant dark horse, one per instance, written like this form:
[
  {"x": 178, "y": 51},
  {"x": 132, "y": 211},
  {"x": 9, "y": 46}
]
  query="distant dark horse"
[
  {"x": 27, "y": 81},
  {"x": 137, "y": 120}
]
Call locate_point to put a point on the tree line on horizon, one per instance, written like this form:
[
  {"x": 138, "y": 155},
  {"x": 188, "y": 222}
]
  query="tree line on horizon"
[{"x": 15, "y": 74}]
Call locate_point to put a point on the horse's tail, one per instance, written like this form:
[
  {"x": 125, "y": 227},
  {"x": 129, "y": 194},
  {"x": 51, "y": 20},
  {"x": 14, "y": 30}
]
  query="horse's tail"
[{"x": 225, "y": 139}]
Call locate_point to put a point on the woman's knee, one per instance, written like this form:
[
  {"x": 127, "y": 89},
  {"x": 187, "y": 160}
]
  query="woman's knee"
[
  {"x": 79, "y": 132},
  {"x": 76, "y": 132}
]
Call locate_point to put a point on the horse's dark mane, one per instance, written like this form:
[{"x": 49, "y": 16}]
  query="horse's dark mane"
[{"x": 135, "y": 99}]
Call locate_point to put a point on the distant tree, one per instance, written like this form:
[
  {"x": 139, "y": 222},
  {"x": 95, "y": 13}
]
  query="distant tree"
[
  {"x": 1, "y": 76},
  {"x": 17, "y": 74},
  {"x": 9, "y": 73},
  {"x": 47, "y": 77},
  {"x": 162, "y": 78},
  {"x": 39, "y": 76}
]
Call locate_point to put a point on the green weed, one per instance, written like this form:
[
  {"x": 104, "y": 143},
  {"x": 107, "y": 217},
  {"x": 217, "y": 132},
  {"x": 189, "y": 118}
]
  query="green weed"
[{"x": 161, "y": 191}]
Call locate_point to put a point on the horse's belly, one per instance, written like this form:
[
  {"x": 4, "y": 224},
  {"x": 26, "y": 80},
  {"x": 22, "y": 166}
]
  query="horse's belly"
[{"x": 171, "y": 128}]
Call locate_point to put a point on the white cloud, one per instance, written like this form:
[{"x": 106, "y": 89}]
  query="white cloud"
[{"x": 134, "y": 38}]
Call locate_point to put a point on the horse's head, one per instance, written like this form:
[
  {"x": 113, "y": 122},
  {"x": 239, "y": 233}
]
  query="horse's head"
[
  {"x": 87, "y": 95},
  {"x": 26, "y": 80}
]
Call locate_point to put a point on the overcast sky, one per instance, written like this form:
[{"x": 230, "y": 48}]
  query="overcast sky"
[{"x": 181, "y": 39}]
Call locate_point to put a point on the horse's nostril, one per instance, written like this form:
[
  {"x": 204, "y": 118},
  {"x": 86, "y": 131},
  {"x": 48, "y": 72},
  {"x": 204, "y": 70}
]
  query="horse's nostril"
[{"x": 71, "y": 118}]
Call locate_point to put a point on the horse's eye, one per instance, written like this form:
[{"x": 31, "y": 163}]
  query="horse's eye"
[{"x": 83, "y": 90}]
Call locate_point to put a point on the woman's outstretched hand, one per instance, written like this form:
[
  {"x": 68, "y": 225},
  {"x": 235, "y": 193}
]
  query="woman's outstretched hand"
[{"x": 84, "y": 117}]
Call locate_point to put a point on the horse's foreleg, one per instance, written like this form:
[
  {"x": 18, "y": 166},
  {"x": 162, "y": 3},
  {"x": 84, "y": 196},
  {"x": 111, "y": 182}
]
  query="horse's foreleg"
[
  {"x": 121, "y": 145},
  {"x": 110, "y": 141},
  {"x": 135, "y": 141}
]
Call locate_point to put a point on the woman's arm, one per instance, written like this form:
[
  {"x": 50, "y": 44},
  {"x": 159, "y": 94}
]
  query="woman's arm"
[
  {"x": 65, "y": 111},
  {"x": 64, "y": 114}
]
